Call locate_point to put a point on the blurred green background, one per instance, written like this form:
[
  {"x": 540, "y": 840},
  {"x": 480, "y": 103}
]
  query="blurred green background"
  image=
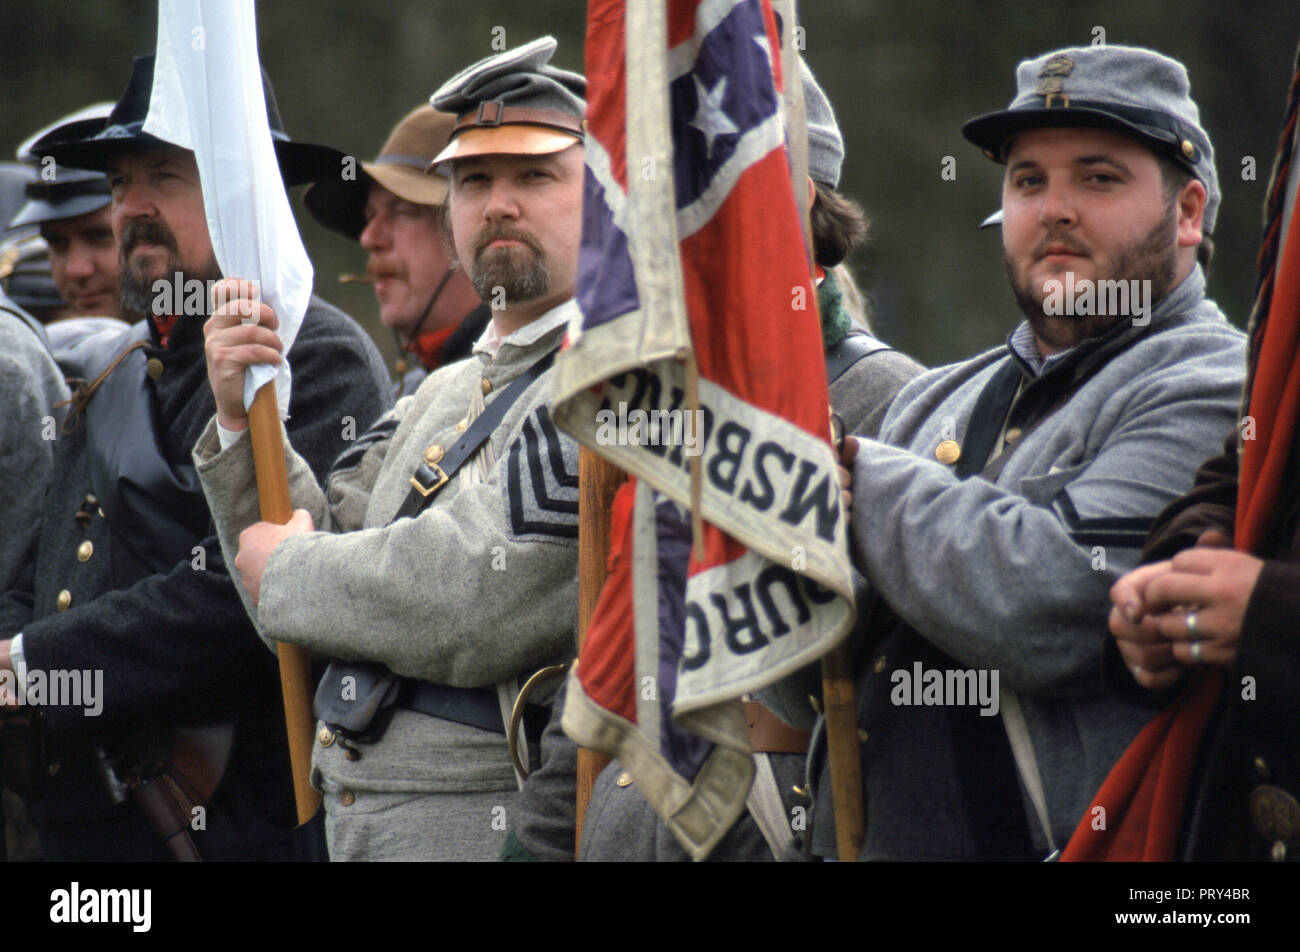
[{"x": 902, "y": 76}]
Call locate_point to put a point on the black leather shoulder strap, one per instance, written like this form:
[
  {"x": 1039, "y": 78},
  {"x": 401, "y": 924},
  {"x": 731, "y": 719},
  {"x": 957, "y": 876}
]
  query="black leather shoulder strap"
[
  {"x": 431, "y": 476},
  {"x": 848, "y": 352}
]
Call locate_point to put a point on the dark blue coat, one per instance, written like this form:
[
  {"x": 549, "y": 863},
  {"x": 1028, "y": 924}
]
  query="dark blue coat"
[{"x": 175, "y": 646}]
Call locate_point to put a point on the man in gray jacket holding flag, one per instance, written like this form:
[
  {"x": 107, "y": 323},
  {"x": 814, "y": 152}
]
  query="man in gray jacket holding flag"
[
  {"x": 437, "y": 584},
  {"x": 1007, "y": 493}
]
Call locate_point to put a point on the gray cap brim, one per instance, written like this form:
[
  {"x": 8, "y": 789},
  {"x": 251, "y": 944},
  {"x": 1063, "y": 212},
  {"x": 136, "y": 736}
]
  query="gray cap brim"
[
  {"x": 37, "y": 211},
  {"x": 992, "y": 132}
]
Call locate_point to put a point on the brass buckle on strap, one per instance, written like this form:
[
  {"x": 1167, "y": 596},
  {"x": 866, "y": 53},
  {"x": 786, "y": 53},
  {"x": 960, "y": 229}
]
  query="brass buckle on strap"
[{"x": 426, "y": 490}]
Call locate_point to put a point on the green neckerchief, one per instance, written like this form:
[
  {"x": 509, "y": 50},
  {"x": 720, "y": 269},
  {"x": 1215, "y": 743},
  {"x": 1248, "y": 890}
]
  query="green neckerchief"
[{"x": 835, "y": 320}]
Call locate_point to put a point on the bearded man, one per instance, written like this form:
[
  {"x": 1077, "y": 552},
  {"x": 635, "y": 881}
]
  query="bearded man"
[
  {"x": 441, "y": 584},
  {"x": 166, "y": 737},
  {"x": 1007, "y": 493}
]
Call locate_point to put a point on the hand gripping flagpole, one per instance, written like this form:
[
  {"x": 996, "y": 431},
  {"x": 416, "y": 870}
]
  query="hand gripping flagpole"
[
  {"x": 208, "y": 97},
  {"x": 840, "y": 708},
  {"x": 295, "y": 662}
]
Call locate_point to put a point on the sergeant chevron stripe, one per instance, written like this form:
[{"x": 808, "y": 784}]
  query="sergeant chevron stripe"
[{"x": 542, "y": 480}]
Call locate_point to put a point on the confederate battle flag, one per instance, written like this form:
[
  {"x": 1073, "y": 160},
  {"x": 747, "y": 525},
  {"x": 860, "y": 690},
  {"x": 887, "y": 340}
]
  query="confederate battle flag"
[{"x": 698, "y": 345}]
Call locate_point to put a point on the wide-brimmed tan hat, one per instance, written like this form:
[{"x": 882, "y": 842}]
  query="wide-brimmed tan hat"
[{"x": 339, "y": 204}]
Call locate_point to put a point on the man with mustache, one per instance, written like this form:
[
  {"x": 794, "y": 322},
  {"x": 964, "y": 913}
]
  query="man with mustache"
[
  {"x": 1007, "y": 493},
  {"x": 175, "y": 745},
  {"x": 391, "y": 208},
  {"x": 440, "y": 556}
]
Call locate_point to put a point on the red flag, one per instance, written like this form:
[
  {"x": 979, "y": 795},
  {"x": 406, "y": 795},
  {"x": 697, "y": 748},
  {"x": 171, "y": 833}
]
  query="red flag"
[{"x": 699, "y": 342}]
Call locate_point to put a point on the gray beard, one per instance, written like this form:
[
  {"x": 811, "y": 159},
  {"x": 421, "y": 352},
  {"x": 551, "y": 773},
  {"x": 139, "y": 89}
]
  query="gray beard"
[
  {"x": 139, "y": 295},
  {"x": 518, "y": 281},
  {"x": 137, "y": 291}
]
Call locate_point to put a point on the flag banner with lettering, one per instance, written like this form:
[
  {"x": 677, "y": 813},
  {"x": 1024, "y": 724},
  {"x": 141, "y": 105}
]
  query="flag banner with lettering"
[
  {"x": 207, "y": 97},
  {"x": 697, "y": 343}
]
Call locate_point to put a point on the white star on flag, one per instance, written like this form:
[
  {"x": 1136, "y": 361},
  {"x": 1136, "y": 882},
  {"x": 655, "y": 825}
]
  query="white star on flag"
[{"x": 709, "y": 115}]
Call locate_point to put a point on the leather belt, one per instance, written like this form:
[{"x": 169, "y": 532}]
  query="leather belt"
[
  {"x": 476, "y": 707},
  {"x": 768, "y": 734}
]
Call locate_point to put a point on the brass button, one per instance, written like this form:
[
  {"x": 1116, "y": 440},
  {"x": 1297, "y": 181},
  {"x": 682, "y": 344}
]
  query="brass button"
[
  {"x": 101, "y": 512},
  {"x": 878, "y": 665},
  {"x": 52, "y": 769},
  {"x": 800, "y": 791},
  {"x": 1013, "y": 434},
  {"x": 326, "y": 737},
  {"x": 347, "y": 797},
  {"x": 433, "y": 454},
  {"x": 462, "y": 426},
  {"x": 90, "y": 500},
  {"x": 815, "y": 703},
  {"x": 1189, "y": 150},
  {"x": 486, "y": 386},
  {"x": 1261, "y": 768},
  {"x": 624, "y": 779},
  {"x": 862, "y": 736},
  {"x": 988, "y": 154},
  {"x": 1275, "y": 812},
  {"x": 85, "y": 551},
  {"x": 64, "y": 600},
  {"x": 948, "y": 452},
  {"x": 1278, "y": 855},
  {"x": 154, "y": 368}
]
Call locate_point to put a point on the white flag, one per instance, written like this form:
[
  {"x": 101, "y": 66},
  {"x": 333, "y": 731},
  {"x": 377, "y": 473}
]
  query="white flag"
[{"x": 207, "y": 97}]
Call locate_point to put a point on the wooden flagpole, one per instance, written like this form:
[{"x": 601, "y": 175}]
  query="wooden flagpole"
[
  {"x": 598, "y": 481},
  {"x": 295, "y": 663}
]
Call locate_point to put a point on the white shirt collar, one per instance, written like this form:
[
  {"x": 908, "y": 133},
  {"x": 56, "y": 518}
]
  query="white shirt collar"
[{"x": 490, "y": 342}]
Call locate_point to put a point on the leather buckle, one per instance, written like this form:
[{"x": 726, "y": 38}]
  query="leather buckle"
[
  {"x": 498, "y": 107},
  {"x": 426, "y": 490}
]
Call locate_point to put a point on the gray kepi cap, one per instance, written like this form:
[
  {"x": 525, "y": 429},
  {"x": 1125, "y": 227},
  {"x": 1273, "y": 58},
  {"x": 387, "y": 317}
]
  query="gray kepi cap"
[
  {"x": 825, "y": 143},
  {"x": 1134, "y": 91},
  {"x": 57, "y": 193},
  {"x": 513, "y": 103}
]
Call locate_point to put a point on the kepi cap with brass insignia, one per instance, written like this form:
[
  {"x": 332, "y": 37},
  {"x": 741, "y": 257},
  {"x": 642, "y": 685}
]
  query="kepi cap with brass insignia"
[
  {"x": 513, "y": 103},
  {"x": 1126, "y": 89}
]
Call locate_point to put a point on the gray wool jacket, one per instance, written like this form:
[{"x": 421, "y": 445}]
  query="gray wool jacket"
[
  {"x": 1011, "y": 575},
  {"x": 30, "y": 384},
  {"x": 478, "y": 588}
]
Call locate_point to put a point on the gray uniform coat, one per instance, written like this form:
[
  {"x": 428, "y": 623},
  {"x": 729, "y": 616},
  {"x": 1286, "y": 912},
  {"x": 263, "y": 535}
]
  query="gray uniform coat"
[
  {"x": 30, "y": 384},
  {"x": 1011, "y": 575},
  {"x": 478, "y": 588}
]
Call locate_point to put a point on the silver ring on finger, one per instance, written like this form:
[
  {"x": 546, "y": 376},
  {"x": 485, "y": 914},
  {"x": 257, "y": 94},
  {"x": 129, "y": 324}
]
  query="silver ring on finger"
[
  {"x": 1196, "y": 652},
  {"x": 1191, "y": 625}
]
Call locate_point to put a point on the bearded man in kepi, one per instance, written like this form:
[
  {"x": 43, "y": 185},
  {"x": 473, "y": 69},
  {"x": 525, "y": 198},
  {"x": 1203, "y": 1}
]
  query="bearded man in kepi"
[{"x": 437, "y": 561}]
